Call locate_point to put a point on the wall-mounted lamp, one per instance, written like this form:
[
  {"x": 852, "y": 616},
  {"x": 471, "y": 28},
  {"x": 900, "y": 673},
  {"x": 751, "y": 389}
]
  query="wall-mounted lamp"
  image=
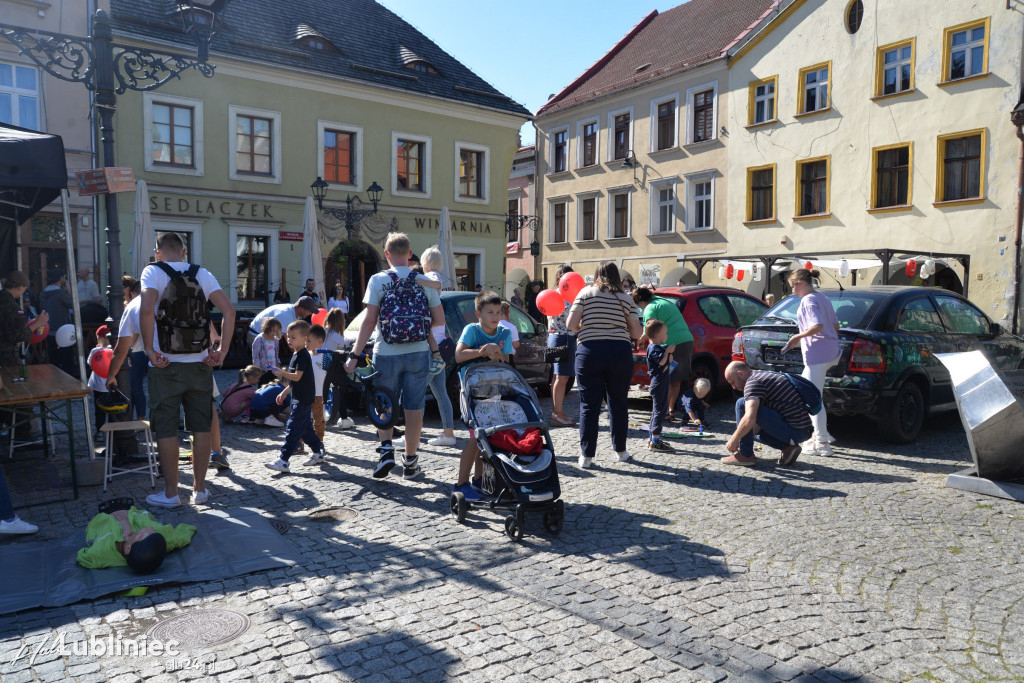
[
  {"x": 630, "y": 162},
  {"x": 724, "y": 132}
]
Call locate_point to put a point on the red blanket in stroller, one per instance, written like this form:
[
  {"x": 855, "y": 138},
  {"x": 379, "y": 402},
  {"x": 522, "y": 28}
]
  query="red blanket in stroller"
[{"x": 529, "y": 442}]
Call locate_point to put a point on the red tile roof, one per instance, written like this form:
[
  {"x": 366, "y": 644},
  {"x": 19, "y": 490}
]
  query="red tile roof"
[{"x": 681, "y": 38}]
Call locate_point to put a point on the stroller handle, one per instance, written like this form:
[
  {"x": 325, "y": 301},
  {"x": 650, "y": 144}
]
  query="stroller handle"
[
  {"x": 487, "y": 431},
  {"x": 355, "y": 375}
]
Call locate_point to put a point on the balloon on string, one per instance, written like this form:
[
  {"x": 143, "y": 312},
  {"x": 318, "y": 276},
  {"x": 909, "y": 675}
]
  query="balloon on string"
[
  {"x": 844, "y": 268},
  {"x": 911, "y": 269},
  {"x": 570, "y": 285},
  {"x": 320, "y": 317},
  {"x": 550, "y": 302},
  {"x": 721, "y": 272},
  {"x": 100, "y": 362},
  {"x": 757, "y": 273},
  {"x": 729, "y": 271},
  {"x": 929, "y": 266},
  {"x": 40, "y": 334}
]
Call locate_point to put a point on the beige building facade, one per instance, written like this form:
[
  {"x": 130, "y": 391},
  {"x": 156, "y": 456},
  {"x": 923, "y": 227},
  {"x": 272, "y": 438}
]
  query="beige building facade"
[
  {"x": 862, "y": 125},
  {"x": 632, "y": 155}
]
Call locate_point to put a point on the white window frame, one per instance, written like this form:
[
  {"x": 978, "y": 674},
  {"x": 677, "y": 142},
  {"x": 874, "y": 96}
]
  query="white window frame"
[
  {"x": 821, "y": 103},
  {"x": 322, "y": 127},
  {"x": 580, "y": 125},
  {"x": 611, "y": 133},
  {"x": 276, "y": 142},
  {"x": 562, "y": 199},
  {"x": 148, "y": 100},
  {"x": 194, "y": 226},
  {"x": 610, "y": 223},
  {"x": 15, "y": 92},
  {"x": 517, "y": 196},
  {"x": 412, "y": 137},
  {"x": 765, "y": 99},
  {"x": 654, "y": 227},
  {"x": 551, "y": 150},
  {"x": 897, "y": 65},
  {"x": 580, "y": 198},
  {"x": 967, "y": 48},
  {"x": 236, "y": 228},
  {"x": 691, "y": 93},
  {"x": 655, "y": 103},
  {"x": 485, "y": 177},
  {"x": 692, "y": 180}
]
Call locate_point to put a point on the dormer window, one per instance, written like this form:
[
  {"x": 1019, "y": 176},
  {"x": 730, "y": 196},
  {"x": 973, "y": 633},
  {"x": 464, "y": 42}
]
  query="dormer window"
[
  {"x": 314, "y": 42},
  {"x": 308, "y": 37},
  {"x": 412, "y": 61},
  {"x": 421, "y": 67}
]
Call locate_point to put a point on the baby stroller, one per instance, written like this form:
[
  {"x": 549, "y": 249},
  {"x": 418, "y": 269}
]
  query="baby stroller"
[{"x": 520, "y": 476}]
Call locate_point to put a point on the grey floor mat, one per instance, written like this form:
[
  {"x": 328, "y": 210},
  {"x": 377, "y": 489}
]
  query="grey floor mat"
[{"x": 227, "y": 543}]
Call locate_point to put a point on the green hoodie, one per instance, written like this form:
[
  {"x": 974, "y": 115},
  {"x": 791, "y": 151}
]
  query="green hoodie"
[{"x": 104, "y": 533}]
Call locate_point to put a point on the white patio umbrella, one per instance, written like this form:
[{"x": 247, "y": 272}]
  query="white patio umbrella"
[
  {"x": 312, "y": 259},
  {"x": 444, "y": 243},
  {"x": 142, "y": 239}
]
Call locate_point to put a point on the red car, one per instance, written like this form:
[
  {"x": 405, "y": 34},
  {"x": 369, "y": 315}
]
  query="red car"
[{"x": 713, "y": 315}]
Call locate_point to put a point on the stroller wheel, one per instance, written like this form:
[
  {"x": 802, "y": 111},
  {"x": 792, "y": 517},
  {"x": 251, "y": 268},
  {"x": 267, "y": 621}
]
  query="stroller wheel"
[
  {"x": 553, "y": 520},
  {"x": 459, "y": 507},
  {"x": 381, "y": 407},
  {"x": 513, "y": 529}
]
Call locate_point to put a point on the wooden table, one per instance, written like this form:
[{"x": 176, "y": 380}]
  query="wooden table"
[{"x": 46, "y": 384}]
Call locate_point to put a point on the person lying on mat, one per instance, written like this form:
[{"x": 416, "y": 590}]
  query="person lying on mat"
[{"x": 124, "y": 535}]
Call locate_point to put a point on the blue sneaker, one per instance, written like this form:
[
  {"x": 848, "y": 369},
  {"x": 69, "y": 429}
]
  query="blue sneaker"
[{"x": 469, "y": 492}]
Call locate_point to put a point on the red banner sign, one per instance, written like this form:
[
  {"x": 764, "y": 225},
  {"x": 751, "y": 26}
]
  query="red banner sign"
[
  {"x": 512, "y": 248},
  {"x": 289, "y": 236},
  {"x": 105, "y": 180}
]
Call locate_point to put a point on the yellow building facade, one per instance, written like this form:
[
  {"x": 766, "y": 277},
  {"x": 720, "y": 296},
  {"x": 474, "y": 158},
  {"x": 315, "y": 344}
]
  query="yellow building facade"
[{"x": 868, "y": 125}]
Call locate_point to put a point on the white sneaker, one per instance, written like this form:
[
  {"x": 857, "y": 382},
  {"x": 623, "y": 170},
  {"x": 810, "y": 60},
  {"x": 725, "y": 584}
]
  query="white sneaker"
[
  {"x": 162, "y": 501},
  {"x": 272, "y": 421},
  {"x": 315, "y": 459},
  {"x": 442, "y": 441},
  {"x": 624, "y": 456},
  {"x": 813, "y": 447},
  {"x": 823, "y": 448},
  {"x": 398, "y": 443},
  {"x": 17, "y": 526},
  {"x": 200, "y": 497},
  {"x": 585, "y": 462},
  {"x": 278, "y": 465},
  {"x": 827, "y": 438},
  {"x": 347, "y": 423}
]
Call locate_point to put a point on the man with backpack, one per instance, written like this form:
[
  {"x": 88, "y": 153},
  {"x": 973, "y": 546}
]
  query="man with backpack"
[
  {"x": 776, "y": 406},
  {"x": 403, "y": 313},
  {"x": 175, "y": 319}
]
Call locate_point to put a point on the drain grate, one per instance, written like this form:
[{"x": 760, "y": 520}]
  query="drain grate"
[
  {"x": 201, "y": 628},
  {"x": 280, "y": 526},
  {"x": 332, "y": 515}
]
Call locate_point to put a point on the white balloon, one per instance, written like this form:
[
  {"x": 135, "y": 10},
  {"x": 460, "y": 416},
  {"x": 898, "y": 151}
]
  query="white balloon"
[
  {"x": 721, "y": 272},
  {"x": 66, "y": 336},
  {"x": 844, "y": 268}
]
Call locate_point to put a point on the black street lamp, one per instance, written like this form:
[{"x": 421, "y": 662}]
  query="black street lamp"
[
  {"x": 111, "y": 69},
  {"x": 348, "y": 214},
  {"x": 514, "y": 223}
]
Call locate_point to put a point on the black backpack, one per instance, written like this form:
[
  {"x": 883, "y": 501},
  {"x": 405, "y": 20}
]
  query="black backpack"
[
  {"x": 809, "y": 393},
  {"x": 183, "y": 314}
]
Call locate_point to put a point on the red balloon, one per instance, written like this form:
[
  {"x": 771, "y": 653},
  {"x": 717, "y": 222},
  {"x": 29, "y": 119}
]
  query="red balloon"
[
  {"x": 40, "y": 334},
  {"x": 911, "y": 268},
  {"x": 729, "y": 271},
  {"x": 570, "y": 285},
  {"x": 739, "y": 275},
  {"x": 100, "y": 362},
  {"x": 550, "y": 302},
  {"x": 809, "y": 266},
  {"x": 320, "y": 317}
]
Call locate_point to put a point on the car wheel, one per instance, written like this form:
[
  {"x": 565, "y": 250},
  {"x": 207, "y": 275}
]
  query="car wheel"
[
  {"x": 705, "y": 369},
  {"x": 904, "y": 421}
]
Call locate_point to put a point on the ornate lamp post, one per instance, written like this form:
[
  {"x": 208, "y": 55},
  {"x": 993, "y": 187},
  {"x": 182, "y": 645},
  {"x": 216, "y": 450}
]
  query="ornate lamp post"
[
  {"x": 350, "y": 215},
  {"x": 111, "y": 69},
  {"x": 514, "y": 223}
]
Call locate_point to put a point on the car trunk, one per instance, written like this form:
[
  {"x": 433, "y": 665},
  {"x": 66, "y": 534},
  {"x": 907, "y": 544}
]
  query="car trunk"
[{"x": 763, "y": 344}]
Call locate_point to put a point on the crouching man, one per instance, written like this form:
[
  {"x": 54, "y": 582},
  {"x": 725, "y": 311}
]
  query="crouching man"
[{"x": 772, "y": 409}]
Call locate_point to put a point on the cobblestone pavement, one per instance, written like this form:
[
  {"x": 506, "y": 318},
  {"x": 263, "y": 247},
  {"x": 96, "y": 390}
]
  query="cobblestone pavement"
[{"x": 857, "y": 566}]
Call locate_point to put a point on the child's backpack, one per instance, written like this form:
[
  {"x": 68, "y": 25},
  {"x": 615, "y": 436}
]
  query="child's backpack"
[
  {"x": 809, "y": 393},
  {"x": 183, "y": 314},
  {"x": 404, "y": 311},
  {"x": 236, "y": 400}
]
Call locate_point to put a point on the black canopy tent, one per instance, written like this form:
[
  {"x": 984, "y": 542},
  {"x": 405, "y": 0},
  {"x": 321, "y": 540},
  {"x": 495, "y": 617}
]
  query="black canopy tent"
[{"x": 33, "y": 173}]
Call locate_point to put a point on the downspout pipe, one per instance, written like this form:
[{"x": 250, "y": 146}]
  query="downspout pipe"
[{"x": 1017, "y": 118}]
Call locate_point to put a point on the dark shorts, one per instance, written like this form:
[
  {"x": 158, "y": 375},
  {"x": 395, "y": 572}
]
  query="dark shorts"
[
  {"x": 682, "y": 356},
  {"x": 180, "y": 385},
  {"x": 566, "y": 368}
]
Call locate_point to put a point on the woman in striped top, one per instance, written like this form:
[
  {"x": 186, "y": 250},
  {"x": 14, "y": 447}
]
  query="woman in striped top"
[{"x": 606, "y": 322}]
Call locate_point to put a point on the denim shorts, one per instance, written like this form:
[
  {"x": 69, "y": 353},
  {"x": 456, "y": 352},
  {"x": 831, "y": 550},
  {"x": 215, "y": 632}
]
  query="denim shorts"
[
  {"x": 567, "y": 368},
  {"x": 406, "y": 375}
]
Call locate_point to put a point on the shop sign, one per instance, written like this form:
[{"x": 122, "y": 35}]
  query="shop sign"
[
  {"x": 479, "y": 227},
  {"x": 289, "y": 236},
  {"x": 204, "y": 206},
  {"x": 105, "y": 180},
  {"x": 650, "y": 274},
  {"x": 512, "y": 248}
]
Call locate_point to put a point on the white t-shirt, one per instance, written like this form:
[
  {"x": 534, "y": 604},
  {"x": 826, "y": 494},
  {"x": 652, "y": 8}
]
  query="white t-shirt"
[
  {"x": 156, "y": 279},
  {"x": 334, "y": 341},
  {"x": 338, "y": 303},
  {"x": 130, "y": 325},
  {"x": 88, "y": 291},
  {"x": 96, "y": 383},
  {"x": 512, "y": 328},
  {"x": 319, "y": 374}
]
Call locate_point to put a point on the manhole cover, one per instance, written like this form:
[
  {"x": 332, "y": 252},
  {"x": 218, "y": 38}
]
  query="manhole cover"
[
  {"x": 280, "y": 526},
  {"x": 331, "y": 515},
  {"x": 199, "y": 629}
]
